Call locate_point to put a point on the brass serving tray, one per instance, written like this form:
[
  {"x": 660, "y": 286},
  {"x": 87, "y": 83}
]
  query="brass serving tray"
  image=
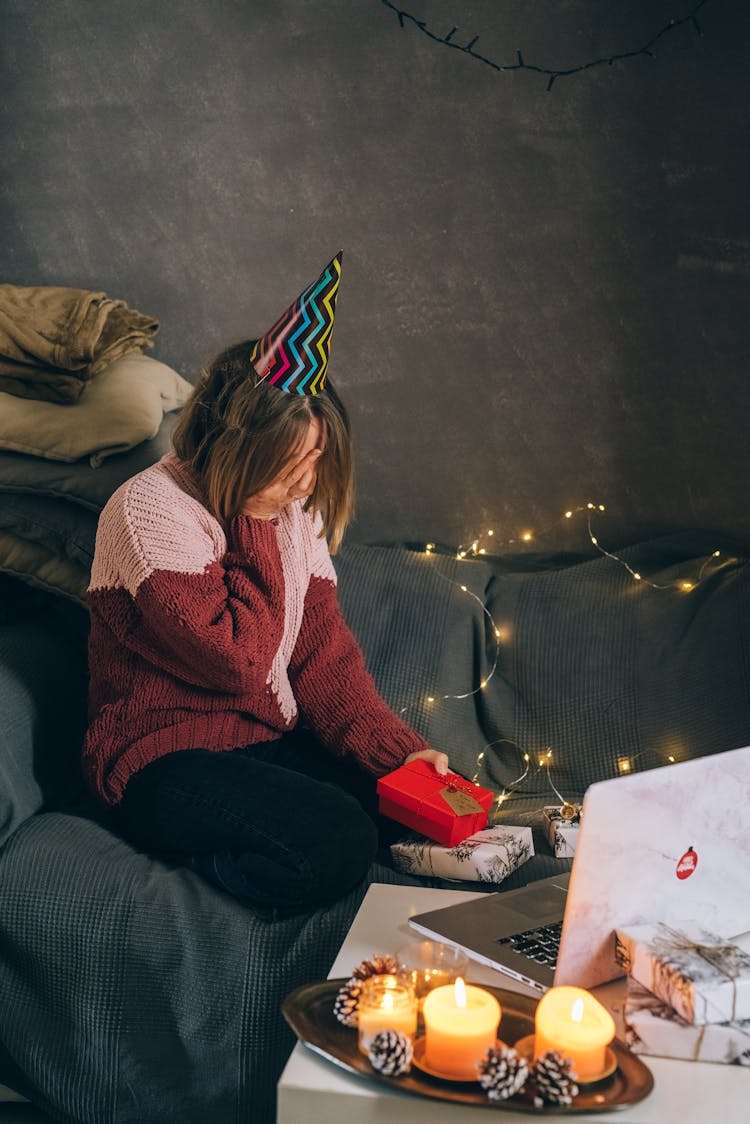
[{"x": 309, "y": 1012}]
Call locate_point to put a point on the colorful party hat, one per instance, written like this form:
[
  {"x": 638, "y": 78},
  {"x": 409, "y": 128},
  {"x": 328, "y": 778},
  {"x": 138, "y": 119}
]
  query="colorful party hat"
[{"x": 293, "y": 355}]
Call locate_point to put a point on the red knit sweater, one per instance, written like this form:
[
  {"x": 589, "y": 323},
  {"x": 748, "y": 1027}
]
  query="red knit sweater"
[{"x": 205, "y": 639}]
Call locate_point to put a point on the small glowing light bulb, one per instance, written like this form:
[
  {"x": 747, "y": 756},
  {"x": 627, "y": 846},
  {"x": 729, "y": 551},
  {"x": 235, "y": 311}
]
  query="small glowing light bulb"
[
  {"x": 637, "y": 577},
  {"x": 430, "y": 698},
  {"x": 568, "y": 514},
  {"x": 463, "y": 589},
  {"x": 483, "y": 684},
  {"x": 527, "y": 536},
  {"x": 526, "y": 757},
  {"x": 595, "y": 541},
  {"x": 671, "y": 758},
  {"x": 590, "y": 506},
  {"x": 601, "y": 507},
  {"x": 482, "y": 551},
  {"x": 716, "y": 553},
  {"x": 490, "y": 532},
  {"x": 686, "y": 586},
  {"x": 624, "y": 764}
]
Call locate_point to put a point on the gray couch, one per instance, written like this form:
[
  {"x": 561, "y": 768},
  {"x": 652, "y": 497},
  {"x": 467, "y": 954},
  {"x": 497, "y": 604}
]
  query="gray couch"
[{"x": 131, "y": 991}]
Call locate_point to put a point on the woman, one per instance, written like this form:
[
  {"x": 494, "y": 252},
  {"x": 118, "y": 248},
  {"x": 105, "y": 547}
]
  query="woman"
[{"x": 231, "y": 714}]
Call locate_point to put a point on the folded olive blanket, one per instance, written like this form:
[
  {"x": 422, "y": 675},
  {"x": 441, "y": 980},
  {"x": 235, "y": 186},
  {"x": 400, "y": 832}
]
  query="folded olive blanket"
[{"x": 54, "y": 339}]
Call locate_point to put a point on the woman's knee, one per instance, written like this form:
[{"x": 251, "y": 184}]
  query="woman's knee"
[
  {"x": 340, "y": 858},
  {"x": 304, "y": 869}
]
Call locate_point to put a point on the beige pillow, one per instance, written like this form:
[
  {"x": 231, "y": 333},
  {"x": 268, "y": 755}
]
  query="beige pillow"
[{"x": 119, "y": 408}]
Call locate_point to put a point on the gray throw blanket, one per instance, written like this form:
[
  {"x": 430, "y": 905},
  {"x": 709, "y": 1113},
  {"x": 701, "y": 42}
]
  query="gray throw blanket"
[
  {"x": 53, "y": 339},
  {"x": 134, "y": 993}
]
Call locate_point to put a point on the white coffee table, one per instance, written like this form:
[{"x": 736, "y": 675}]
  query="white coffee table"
[{"x": 315, "y": 1091}]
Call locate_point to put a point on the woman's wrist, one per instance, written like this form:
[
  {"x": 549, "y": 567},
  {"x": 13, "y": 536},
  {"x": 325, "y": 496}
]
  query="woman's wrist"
[{"x": 258, "y": 512}]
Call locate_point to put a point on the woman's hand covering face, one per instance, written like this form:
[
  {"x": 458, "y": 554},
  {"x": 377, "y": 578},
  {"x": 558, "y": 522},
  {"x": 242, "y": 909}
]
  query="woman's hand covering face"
[{"x": 295, "y": 481}]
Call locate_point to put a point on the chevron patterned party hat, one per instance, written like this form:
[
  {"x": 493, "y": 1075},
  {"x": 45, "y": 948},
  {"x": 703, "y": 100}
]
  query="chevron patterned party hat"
[{"x": 293, "y": 355}]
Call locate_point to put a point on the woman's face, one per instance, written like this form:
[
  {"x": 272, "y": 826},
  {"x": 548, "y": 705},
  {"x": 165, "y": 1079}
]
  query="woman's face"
[{"x": 314, "y": 439}]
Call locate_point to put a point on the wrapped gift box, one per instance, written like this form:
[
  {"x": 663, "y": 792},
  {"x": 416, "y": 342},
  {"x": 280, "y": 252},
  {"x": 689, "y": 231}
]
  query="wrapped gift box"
[
  {"x": 651, "y": 1027},
  {"x": 444, "y": 808},
  {"x": 486, "y": 856},
  {"x": 562, "y": 835},
  {"x": 703, "y": 978}
]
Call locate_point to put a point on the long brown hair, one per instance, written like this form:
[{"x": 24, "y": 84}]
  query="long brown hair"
[{"x": 237, "y": 433}]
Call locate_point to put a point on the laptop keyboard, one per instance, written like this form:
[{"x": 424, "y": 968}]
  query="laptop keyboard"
[{"x": 540, "y": 945}]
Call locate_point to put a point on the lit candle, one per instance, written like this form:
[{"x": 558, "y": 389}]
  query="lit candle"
[
  {"x": 385, "y": 1003},
  {"x": 570, "y": 1020},
  {"x": 460, "y": 1024}
]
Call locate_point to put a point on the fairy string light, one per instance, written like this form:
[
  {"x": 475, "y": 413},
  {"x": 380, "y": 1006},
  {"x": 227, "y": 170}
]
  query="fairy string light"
[
  {"x": 552, "y": 73},
  {"x": 544, "y": 758},
  {"x": 473, "y": 549},
  {"x": 509, "y": 787},
  {"x": 544, "y": 763},
  {"x": 430, "y": 699}
]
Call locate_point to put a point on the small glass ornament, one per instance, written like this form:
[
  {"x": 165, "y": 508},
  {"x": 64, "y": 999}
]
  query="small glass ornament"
[{"x": 430, "y": 964}]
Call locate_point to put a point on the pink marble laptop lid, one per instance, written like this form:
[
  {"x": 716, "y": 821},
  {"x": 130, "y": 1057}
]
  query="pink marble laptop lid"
[{"x": 670, "y": 844}]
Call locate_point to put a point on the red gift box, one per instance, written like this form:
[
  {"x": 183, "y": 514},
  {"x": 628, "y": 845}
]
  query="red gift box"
[{"x": 412, "y": 795}]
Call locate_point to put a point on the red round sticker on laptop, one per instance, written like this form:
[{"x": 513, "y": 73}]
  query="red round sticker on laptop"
[{"x": 687, "y": 864}]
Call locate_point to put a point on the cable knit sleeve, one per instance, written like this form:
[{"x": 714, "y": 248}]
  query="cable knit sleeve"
[
  {"x": 335, "y": 691},
  {"x": 210, "y": 620}
]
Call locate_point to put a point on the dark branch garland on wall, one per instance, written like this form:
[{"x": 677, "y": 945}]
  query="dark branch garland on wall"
[{"x": 553, "y": 73}]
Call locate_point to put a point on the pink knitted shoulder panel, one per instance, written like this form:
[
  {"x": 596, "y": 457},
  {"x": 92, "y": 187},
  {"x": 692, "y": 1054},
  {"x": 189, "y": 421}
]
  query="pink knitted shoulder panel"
[
  {"x": 302, "y": 554},
  {"x": 151, "y": 523},
  {"x": 320, "y": 560}
]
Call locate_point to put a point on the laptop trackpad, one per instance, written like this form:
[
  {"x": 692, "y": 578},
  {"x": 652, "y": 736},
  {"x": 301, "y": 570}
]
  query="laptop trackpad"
[{"x": 548, "y": 901}]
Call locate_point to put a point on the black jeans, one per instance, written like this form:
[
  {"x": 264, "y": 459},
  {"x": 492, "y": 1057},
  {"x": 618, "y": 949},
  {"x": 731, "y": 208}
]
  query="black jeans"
[{"x": 283, "y": 826}]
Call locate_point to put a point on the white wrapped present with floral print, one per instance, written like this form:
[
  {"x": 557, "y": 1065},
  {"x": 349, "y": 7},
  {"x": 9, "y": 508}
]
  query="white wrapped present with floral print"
[
  {"x": 489, "y": 855},
  {"x": 652, "y": 1027},
  {"x": 562, "y": 829},
  {"x": 704, "y": 978}
]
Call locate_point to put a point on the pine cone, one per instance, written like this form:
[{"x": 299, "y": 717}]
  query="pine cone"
[
  {"x": 390, "y": 1053},
  {"x": 346, "y": 1003},
  {"x": 375, "y": 966},
  {"x": 554, "y": 1078},
  {"x": 502, "y": 1073}
]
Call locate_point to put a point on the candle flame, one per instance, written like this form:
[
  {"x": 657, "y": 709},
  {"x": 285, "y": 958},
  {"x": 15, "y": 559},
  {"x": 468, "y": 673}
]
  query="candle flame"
[
  {"x": 576, "y": 1013},
  {"x": 460, "y": 992},
  {"x": 388, "y": 1001}
]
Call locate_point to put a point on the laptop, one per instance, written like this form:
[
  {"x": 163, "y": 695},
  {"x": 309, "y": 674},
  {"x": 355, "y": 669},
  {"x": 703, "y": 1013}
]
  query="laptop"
[{"x": 670, "y": 844}]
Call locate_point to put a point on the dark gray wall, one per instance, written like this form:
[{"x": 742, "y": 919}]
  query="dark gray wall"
[{"x": 544, "y": 296}]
